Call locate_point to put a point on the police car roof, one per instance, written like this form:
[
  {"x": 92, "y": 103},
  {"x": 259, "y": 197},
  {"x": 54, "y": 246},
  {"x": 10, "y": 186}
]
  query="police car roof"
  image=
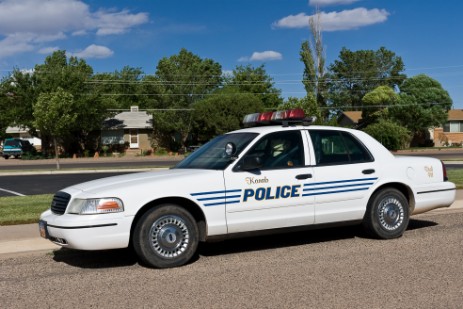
[{"x": 275, "y": 128}]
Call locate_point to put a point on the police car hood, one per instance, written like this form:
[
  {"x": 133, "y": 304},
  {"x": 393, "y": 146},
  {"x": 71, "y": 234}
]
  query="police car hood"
[{"x": 154, "y": 179}]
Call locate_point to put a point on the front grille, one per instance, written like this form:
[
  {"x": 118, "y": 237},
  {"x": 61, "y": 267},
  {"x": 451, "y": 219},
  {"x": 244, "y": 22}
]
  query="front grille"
[{"x": 60, "y": 202}]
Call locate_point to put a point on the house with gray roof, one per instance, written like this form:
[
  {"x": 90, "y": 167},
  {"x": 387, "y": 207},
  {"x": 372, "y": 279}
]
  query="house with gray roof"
[{"x": 133, "y": 128}]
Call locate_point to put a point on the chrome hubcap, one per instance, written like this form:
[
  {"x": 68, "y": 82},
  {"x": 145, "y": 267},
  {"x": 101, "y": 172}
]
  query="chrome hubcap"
[
  {"x": 391, "y": 213},
  {"x": 169, "y": 236}
]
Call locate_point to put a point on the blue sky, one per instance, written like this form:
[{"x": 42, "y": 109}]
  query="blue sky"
[{"x": 138, "y": 33}]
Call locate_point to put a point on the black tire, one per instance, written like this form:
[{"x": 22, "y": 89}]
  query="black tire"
[
  {"x": 6, "y": 157},
  {"x": 166, "y": 236},
  {"x": 387, "y": 214}
]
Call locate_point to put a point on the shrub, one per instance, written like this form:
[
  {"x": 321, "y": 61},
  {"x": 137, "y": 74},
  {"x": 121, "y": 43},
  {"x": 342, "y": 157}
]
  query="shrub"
[{"x": 392, "y": 135}]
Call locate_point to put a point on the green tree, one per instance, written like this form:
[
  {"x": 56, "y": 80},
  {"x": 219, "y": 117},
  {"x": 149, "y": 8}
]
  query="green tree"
[
  {"x": 423, "y": 104},
  {"x": 183, "y": 80},
  {"x": 58, "y": 71},
  {"x": 121, "y": 89},
  {"x": 17, "y": 94},
  {"x": 309, "y": 75},
  {"x": 375, "y": 104},
  {"x": 223, "y": 112},
  {"x": 153, "y": 92},
  {"x": 312, "y": 55},
  {"x": 4, "y": 113},
  {"x": 248, "y": 79},
  {"x": 308, "y": 104},
  {"x": 392, "y": 135},
  {"x": 357, "y": 73},
  {"x": 72, "y": 76},
  {"x": 55, "y": 116}
]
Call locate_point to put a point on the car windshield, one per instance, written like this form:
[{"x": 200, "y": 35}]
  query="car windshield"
[
  {"x": 13, "y": 143},
  {"x": 212, "y": 155}
]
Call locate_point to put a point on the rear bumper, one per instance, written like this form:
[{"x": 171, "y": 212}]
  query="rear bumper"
[{"x": 436, "y": 196}]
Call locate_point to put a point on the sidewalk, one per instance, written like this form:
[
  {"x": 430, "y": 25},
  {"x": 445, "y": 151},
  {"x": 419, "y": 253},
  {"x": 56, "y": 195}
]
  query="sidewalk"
[
  {"x": 23, "y": 238},
  {"x": 16, "y": 239}
]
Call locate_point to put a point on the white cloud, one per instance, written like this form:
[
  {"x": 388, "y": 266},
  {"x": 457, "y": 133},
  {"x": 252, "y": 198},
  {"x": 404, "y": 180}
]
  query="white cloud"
[
  {"x": 330, "y": 2},
  {"x": 48, "y": 50},
  {"x": 263, "y": 56},
  {"x": 117, "y": 22},
  {"x": 41, "y": 17},
  {"x": 300, "y": 20},
  {"x": 14, "y": 44},
  {"x": 79, "y": 33},
  {"x": 266, "y": 55},
  {"x": 94, "y": 51},
  {"x": 335, "y": 21},
  {"x": 38, "y": 21}
]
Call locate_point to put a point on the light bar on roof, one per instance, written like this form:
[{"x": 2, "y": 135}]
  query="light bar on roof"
[
  {"x": 251, "y": 119},
  {"x": 277, "y": 117},
  {"x": 265, "y": 117}
]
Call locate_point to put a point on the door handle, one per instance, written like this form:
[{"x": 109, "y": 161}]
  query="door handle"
[
  {"x": 303, "y": 176},
  {"x": 368, "y": 171}
]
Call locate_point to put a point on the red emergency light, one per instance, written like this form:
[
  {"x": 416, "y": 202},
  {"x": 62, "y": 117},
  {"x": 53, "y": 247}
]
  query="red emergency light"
[{"x": 284, "y": 117}]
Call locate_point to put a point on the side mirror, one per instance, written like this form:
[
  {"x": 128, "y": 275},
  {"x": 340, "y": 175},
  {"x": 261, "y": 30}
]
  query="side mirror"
[
  {"x": 230, "y": 149},
  {"x": 251, "y": 163}
]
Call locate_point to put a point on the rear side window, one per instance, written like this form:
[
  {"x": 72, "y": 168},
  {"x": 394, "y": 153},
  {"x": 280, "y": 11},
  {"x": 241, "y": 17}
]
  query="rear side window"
[{"x": 338, "y": 147}]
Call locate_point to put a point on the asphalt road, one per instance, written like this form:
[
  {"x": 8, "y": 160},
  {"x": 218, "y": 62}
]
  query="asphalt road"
[
  {"x": 329, "y": 268},
  {"x": 25, "y": 177},
  {"x": 22, "y": 165},
  {"x": 12, "y": 185}
]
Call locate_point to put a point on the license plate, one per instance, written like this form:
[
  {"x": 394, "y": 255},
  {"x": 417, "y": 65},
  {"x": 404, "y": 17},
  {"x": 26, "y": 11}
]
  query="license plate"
[{"x": 43, "y": 229}]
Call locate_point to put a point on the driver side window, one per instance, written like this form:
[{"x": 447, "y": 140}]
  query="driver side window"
[{"x": 280, "y": 150}]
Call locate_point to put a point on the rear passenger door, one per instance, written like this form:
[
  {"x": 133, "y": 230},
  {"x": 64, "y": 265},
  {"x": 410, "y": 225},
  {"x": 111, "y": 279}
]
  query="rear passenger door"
[{"x": 344, "y": 174}]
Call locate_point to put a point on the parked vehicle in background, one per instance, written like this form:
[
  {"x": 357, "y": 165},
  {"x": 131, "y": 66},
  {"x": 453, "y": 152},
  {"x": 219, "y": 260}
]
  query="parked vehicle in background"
[{"x": 16, "y": 147}]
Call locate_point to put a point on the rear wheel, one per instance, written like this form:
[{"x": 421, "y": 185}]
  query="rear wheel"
[
  {"x": 6, "y": 157},
  {"x": 387, "y": 214},
  {"x": 166, "y": 236}
]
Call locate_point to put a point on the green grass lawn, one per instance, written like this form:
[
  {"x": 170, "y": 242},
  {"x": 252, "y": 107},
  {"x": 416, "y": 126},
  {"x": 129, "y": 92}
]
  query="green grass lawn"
[
  {"x": 456, "y": 176},
  {"x": 23, "y": 209},
  {"x": 27, "y": 209}
]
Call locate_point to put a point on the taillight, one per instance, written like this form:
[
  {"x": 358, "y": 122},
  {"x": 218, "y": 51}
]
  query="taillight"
[{"x": 444, "y": 171}]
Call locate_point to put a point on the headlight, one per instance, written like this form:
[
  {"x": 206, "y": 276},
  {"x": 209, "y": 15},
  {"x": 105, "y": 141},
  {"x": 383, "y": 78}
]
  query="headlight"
[{"x": 96, "y": 206}]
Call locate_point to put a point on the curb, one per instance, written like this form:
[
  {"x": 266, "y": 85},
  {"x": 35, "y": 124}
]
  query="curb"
[{"x": 23, "y": 238}]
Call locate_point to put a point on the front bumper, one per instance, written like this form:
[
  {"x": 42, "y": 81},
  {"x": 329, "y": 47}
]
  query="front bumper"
[
  {"x": 86, "y": 232},
  {"x": 12, "y": 153}
]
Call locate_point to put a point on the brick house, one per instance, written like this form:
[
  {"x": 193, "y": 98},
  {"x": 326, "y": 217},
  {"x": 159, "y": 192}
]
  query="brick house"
[{"x": 452, "y": 132}]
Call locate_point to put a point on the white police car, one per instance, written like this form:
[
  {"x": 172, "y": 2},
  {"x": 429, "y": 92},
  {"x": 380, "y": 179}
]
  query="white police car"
[{"x": 256, "y": 179}]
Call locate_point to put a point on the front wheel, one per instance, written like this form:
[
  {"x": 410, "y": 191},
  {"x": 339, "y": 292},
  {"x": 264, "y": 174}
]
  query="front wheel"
[
  {"x": 387, "y": 214},
  {"x": 166, "y": 236}
]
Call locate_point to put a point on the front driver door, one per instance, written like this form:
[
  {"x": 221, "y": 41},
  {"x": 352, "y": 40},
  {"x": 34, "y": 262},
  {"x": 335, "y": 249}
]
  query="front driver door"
[{"x": 270, "y": 196}]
